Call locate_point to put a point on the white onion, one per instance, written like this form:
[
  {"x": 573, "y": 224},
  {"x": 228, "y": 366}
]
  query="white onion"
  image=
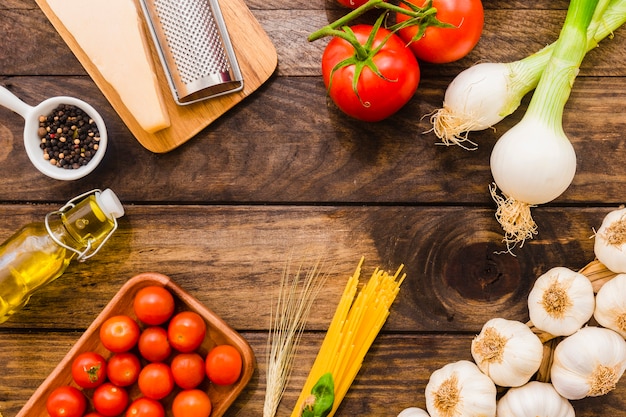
[
  {"x": 476, "y": 99},
  {"x": 533, "y": 163}
]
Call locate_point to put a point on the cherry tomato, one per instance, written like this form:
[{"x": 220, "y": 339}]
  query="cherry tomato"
[
  {"x": 442, "y": 45},
  {"x": 223, "y": 365},
  {"x": 154, "y": 345},
  {"x": 353, "y": 4},
  {"x": 378, "y": 96},
  {"x": 89, "y": 369},
  {"x": 186, "y": 331},
  {"x": 156, "y": 380},
  {"x": 192, "y": 403},
  {"x": 188, "y": 370},
  {"x": 119, "y": 333},
  {"x": 66, "y": 401},
  {"x": 123, "y": 369},
  {"x": 153, "y": 305},
  {"x": 145, "y": 407},
  {"x": 110, "y": 400},
  {"x": 93, "y": 414}
]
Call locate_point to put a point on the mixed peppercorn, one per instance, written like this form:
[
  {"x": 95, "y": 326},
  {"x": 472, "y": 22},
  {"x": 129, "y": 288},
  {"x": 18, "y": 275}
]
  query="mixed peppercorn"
[{"x": 69, "y": 137}]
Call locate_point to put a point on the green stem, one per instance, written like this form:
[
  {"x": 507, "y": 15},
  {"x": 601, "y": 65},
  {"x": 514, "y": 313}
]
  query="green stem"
[
  {"x": 348, "y": 35},
  {"x": 556, "y": 82},
  {"x": 332, "y": 28},
  {"x": 613, "y": 17},
  {"x": 525, "y": 73},
  {"x": 596, "y": 19}
]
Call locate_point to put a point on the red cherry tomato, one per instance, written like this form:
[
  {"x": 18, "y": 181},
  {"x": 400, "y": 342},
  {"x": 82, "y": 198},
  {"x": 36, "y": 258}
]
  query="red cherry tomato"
[
  {"x": 110, "y": 400},
  {"x": 188, "y": 370},
  {"x": 154, "y": 345},
  {"x": 123, "y": 369},
  {"x": 66, "y": 401},
  {"x": 156, "y": 380},
  {"x": 223, "y": 365},
  {"x": 186, "y": 331},
  {"x": 379, "y": 95},
  {"x": 145, "y": 407},
  {"x": 89, "y": 369},
  {"x": 442, "y": 45},
  {"x": 93, "y": 414},
  {"x": 119, "y": 333},
  {"x": 192, "y": 403},
  {"x": 153, "y": 305}
]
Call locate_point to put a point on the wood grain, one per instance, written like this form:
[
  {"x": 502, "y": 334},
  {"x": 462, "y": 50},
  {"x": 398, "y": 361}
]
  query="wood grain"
[
  {"x": 393, "y": 376},
  {"x": 218, "y": 333},
  {"x": 231, "y": 258},
  {"x": 339, "y": 160},
  {"x": 257, "y": 60},
  {"x": 285, "y": 175}
]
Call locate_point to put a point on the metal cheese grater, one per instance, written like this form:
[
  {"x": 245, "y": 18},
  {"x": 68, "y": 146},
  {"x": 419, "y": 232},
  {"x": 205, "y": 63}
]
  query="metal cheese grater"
[{"x": 194, "y": 47}]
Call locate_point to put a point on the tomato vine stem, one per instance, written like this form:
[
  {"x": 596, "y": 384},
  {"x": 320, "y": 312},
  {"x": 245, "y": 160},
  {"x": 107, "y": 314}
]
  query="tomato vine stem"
[
  {"x": 363, "y": 53},
  {"x": 417, "y": 16}
]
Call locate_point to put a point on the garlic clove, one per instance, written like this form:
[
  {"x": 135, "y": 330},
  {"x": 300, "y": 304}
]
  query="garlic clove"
[
  {"x": 507, "y": 351},
  {"x": 534, "y": 399},
  {"x": 610, "y": 309},
  {"x": 610, "y": 241},
  {"x": 561, "y": 301},
  {"x": 460, "y": 389},
  {"x": 413, "y": 412},
  {"x": 589, "y": 363}
]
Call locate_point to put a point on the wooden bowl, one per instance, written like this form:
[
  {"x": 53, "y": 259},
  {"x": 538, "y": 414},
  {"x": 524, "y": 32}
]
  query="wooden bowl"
[{"x": 218, "y": 332}]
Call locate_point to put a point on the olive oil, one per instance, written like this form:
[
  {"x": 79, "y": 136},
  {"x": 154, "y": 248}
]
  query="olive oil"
[{"x": 40, "y": 252}]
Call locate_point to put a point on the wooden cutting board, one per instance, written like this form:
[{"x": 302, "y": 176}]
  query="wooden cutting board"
[{"x": 257, "y": 60}]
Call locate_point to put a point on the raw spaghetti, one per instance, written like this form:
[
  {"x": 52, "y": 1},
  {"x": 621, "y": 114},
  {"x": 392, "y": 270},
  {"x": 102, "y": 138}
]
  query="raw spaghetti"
[{"x": 352, "y": 331}]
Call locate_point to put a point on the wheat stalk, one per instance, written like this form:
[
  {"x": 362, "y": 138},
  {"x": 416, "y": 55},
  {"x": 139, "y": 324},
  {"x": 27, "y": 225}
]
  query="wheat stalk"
[{"x": 287, "y": 322}]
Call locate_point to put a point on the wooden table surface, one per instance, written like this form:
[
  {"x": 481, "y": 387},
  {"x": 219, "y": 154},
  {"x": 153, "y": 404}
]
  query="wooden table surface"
[{"x": 286, "y": 175}]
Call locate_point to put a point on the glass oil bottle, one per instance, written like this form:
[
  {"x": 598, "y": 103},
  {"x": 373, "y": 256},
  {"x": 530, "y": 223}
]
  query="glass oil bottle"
[{"x": 40, "y": 252}]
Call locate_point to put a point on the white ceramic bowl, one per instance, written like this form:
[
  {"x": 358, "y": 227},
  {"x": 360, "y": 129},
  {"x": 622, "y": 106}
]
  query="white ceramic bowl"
[{"x": 32, "y": 140}]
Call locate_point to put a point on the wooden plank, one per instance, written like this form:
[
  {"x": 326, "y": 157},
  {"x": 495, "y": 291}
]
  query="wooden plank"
[
  {"x": 286, "y": 174},
  {"x": 506, "y": 37},
  {"x": 337, "y": 158},
  {"x": 394, "y": 374},
  {"x": 232, "y": 257}
]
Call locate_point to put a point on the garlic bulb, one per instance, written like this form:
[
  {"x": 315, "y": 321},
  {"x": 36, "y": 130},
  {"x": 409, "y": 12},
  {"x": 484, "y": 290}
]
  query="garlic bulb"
[
  {"x": 460, "y": 389},
  {"x": 610, "y": 309},
  {"x": 507, "y": 351},
  {"x": 588, "y": 363},
  {"x": 413, "y": 412},
  {"x": 534, "y": 399},
  {"x": 610, "y": 241},
  {"x": 561, "y": 301}
]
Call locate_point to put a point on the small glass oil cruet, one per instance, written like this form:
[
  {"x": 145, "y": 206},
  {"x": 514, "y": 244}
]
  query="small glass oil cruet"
[{"x": 40, "y": 252}]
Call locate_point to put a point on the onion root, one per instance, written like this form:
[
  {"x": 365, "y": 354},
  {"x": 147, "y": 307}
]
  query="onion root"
[
  {"x": 452, "y": 129},
  {"x": 515, "y": 218}
]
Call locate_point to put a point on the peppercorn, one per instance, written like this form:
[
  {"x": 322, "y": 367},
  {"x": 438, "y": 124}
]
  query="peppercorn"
[{"x": 68, "y": 121}]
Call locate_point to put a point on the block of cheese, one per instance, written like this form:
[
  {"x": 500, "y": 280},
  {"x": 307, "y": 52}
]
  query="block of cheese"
[{"x": 111, "y": 34}]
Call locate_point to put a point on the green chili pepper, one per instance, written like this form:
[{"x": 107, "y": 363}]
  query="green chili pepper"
[{"x": 322, "y": 398}]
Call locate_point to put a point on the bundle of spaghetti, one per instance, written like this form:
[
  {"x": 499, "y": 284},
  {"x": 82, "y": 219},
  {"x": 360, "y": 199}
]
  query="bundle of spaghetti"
[{"x": 355, "y": 325}]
